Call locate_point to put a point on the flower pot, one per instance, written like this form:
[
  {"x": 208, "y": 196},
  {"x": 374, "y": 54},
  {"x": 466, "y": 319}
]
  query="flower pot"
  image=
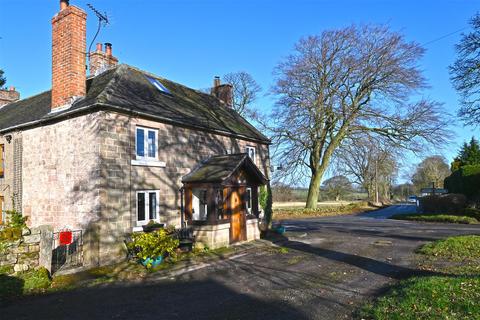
[
  {"x": 185, "y": 245},
  {"x": 153, "y": 227},
  {"x": 153, "y": 262}
]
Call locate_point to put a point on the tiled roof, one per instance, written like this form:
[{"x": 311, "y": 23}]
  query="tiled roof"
[{"x": 127, "y": 89}]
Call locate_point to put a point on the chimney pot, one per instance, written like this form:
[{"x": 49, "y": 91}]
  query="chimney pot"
[
  {"x": 216, "y": 81},
  {"x": 64, "y": 4},
  {"x": 99, "y": 47},
  {"x": 11, "y": 88},
  {"x": 108, "y": 49},
  {"x": 68, "y": 55}
]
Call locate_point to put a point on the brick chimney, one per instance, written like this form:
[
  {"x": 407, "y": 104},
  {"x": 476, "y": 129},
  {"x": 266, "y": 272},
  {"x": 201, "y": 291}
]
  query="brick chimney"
[
  {"x": 68, "y": 55},
  {"x": 8, "y": 96},
  {"x": 224, "y": 92},
  {"x": 101, "y": 61}
]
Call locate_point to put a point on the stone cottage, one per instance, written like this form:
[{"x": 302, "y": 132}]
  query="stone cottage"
[{"x": 109, "y": 152}]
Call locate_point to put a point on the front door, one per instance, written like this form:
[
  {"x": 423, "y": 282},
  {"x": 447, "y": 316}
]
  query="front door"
[{"x": 237, "y": 223}]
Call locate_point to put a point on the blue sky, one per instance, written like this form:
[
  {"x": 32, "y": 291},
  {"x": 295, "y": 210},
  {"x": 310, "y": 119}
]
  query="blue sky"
[{"x": 190, "y": 41}]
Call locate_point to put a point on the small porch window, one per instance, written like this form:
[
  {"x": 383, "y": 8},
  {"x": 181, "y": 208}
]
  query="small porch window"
[
  {"x": 248, "y": 200},
  {"x": 199, "y": 204},
  {"x": 147, "y": 207}
]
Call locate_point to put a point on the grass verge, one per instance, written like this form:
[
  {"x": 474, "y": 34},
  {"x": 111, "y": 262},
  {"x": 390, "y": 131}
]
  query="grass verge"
[
  {"x": 461, "y": 248},
  {"x": 322, "y": 211},
  {"x": 438, "y": 297},
  {"x": 33, "y": 281},
  {"x": 454, "y": 295},
  {"x": 436, "y": 217}
]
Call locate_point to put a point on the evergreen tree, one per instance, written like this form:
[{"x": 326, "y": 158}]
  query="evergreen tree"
[
  {"x": 470, "y": 153},
  {"x": 3, "y": 80}
]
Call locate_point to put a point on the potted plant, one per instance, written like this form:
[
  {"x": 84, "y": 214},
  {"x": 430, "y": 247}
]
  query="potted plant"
[
  {"x": 151, "y": 248},
  {"x": 152, "y": 226}
]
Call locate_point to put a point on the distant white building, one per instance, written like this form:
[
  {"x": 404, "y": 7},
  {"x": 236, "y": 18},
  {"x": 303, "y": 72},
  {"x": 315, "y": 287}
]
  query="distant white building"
[{"x": 431, "y": 191}]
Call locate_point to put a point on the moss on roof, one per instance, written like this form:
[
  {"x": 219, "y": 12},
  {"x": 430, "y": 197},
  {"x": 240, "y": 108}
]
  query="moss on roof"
[{"x": 128, "y": 89}]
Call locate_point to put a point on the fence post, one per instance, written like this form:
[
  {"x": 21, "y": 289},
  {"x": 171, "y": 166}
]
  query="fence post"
[{"x": 46, "y": 247}]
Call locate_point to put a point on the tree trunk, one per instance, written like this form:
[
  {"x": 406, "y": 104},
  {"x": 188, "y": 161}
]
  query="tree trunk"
[{"x": 314, "y": 190}]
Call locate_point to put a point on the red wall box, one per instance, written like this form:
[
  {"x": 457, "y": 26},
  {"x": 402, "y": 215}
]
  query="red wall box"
[{"x": 65, "y": 238}]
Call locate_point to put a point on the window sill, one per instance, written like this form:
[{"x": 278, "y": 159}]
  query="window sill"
[{"x": 149, "y": 163}]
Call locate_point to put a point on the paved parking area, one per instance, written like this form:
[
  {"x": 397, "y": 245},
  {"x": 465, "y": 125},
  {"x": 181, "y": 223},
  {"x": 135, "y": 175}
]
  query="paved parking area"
[{"x": 328, "y": 267}]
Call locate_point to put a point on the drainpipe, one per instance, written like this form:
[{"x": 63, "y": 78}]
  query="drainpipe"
[{"x": 182, "y": 219}]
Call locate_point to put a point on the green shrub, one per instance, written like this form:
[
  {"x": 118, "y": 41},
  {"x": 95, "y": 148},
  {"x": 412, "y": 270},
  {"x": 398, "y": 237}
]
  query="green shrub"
[
  {"x": 13, "y": 230},
  {"x": 465, "y": 180},
  {"x": 447, "y": 203},
  {"x": 35, "y": 280},
  {"x": 153, "y": 244},
  {"x": 16, "y": 220},
  {"x": 6, "y": 270},
  {"x": 474, "y": 213}
]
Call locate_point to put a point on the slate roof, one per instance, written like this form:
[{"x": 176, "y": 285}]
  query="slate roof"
[
  {"x": 217, "y": 169},
  {"x": 127, "y": 89}
]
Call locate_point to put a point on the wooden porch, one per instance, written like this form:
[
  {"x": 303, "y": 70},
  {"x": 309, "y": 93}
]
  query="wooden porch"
[{"x": 223, "y": 190}]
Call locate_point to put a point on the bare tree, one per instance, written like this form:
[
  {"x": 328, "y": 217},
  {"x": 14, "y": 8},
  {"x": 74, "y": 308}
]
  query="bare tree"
[
  {"x": 245, "y": 91},
  {"x": 372, "y": 164},
  {"x": 337, "y": 187},
  {"x": 343, "y": 83},
  {"x": 465, "y": 73},
  {"x": 433, "y": 169}
]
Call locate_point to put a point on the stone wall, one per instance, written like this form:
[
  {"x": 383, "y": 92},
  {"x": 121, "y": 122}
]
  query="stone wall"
[
  {"x": 79, "y": 174},
  {"x": 253, "y": 232},
  {"x": 179, "y": 151},
  {"x": 213, "y": 236},
  {"x": 61, "y": 173},
  {"x": 23, "y": 254}
]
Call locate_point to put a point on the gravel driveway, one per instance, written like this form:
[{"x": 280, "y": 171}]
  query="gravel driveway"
[{"x": 330, "y": 267}]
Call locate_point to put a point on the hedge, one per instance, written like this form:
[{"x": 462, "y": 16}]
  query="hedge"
[
  {"x": 465, "y": 180},
  {"x": 446, "y": 203}
]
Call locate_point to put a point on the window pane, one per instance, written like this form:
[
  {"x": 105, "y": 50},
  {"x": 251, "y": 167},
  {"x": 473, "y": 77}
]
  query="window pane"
[
  {"x": 153, "y": 205},
  {"x": 251, "y": 152},
  {"x": 140, "y": 142},
  {"x": 141, "y": 206},
  {"x": 151, "y": 144},
  {"x": 249, "y": 198}
]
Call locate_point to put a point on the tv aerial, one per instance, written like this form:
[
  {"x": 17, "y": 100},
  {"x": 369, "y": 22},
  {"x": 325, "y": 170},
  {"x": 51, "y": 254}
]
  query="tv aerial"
[{"x": 102, "y": 22}]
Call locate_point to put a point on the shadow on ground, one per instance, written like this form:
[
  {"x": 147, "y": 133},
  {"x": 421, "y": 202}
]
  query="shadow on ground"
[{"x": 173, "y": 300}]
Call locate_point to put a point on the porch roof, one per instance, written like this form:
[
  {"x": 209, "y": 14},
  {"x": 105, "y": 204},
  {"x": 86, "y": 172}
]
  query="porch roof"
[{"x": 218, "y": 169}]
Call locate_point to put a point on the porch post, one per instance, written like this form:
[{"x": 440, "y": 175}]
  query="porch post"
[{"x": 188, "y": 203}]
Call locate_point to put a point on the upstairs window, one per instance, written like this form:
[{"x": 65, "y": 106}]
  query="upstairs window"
[
  {"x": 2, "y": 160},
  {"x": 146, "y": 144},
  {"x": 251, "y": 153}
]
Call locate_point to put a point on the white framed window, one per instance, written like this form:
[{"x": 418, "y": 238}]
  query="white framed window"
[
  {"x": 148, "y": 206},
  {"x": 251, "y": 152},
  {"x": 199, "y": 204},
  {"x": 248, "y": 201},
  {"x": 146, "y": 144}
]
